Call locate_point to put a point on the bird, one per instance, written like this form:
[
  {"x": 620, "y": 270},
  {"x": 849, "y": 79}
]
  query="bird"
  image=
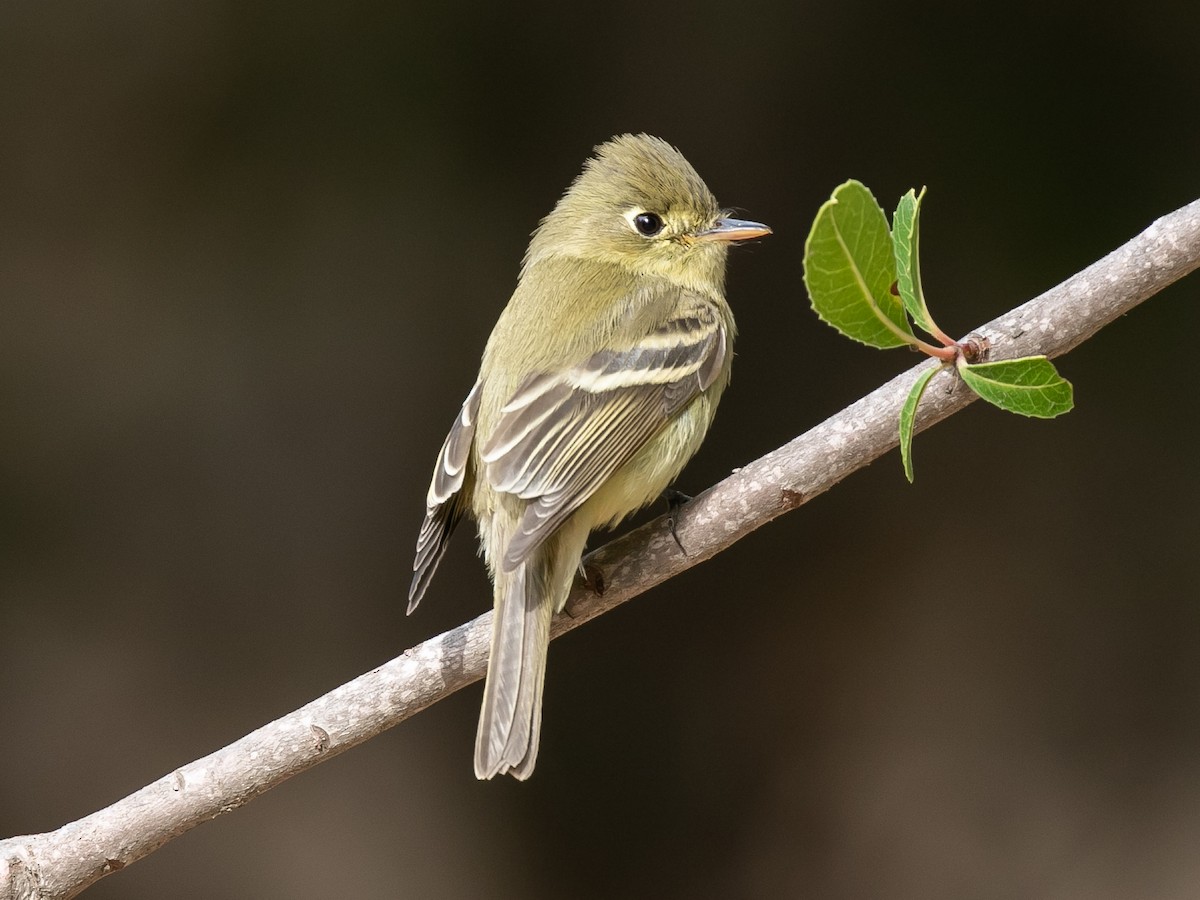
[{"x": 597, "y": 385}]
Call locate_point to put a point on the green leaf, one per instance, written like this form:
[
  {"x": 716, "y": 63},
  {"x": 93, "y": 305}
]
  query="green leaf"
[
  {"x": 908, "y": 416},
  {"x": 906, "y": 238},
  {"x": 850, "y": 267},
  {"x": 1030, "y": 386}
]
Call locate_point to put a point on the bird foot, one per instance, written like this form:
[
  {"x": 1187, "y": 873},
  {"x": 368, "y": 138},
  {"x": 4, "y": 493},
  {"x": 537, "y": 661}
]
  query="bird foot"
[
  {"x": 675, "y": 500},
  {"x": 593, "y": 578}
]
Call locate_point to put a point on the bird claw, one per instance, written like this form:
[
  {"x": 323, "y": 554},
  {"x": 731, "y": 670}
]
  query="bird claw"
[
  {"x": 593, "y": 578},
  {"x": 675, "y": 500}
]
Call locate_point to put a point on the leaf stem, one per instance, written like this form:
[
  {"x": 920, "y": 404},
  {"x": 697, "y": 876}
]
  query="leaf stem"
[
  {"x": 948, "y": 353},
  {"x": 944, "y": 338}
]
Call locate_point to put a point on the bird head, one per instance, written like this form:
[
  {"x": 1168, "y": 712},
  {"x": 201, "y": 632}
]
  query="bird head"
[{"x": 640, "y": 205}]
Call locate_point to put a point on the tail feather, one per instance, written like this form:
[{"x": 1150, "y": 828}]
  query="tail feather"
[{"x": 510, "y": 719}]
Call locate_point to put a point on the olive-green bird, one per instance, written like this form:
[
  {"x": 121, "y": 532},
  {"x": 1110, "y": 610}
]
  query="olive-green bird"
[{"x": 597, "y": 385}]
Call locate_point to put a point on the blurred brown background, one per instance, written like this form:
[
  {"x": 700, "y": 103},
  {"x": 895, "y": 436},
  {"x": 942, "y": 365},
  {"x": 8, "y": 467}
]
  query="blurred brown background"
[{"x": 249, "y": 255}]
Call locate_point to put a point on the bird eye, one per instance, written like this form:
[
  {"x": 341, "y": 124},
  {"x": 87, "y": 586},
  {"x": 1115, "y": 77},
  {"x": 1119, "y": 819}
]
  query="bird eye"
[{"x": 647, "y": 224}]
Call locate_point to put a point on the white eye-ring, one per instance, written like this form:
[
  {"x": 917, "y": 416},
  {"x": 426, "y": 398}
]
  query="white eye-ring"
[{"x": 647, "y": 224}]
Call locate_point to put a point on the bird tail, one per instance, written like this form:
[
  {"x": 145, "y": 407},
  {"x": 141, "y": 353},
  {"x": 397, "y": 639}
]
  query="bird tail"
[{"x": 511, "y": 717}]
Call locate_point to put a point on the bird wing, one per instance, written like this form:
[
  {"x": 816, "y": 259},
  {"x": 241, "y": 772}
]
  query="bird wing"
[
  {"x": 444, "y": 505},
  {"x": 563, "y": 433}
]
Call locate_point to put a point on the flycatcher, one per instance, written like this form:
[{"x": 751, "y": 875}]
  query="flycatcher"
[{"x": 597, "y": 385}]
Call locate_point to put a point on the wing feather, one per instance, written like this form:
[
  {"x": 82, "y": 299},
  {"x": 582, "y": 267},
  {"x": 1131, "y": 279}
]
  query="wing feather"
[
  {"x": 444, "y": 506},
  {"x": 562, "y": 434}
]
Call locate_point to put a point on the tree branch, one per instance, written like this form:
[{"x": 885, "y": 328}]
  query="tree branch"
[{"x": 62, "y": 863}]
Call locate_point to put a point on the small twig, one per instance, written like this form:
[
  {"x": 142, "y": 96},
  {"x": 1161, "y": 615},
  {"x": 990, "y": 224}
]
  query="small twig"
[{"x": 61, "y": 863}]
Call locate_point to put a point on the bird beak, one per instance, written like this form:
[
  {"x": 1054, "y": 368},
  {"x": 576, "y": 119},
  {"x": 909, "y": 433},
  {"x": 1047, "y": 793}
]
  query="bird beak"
[{"x": 733, "y": 230}]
